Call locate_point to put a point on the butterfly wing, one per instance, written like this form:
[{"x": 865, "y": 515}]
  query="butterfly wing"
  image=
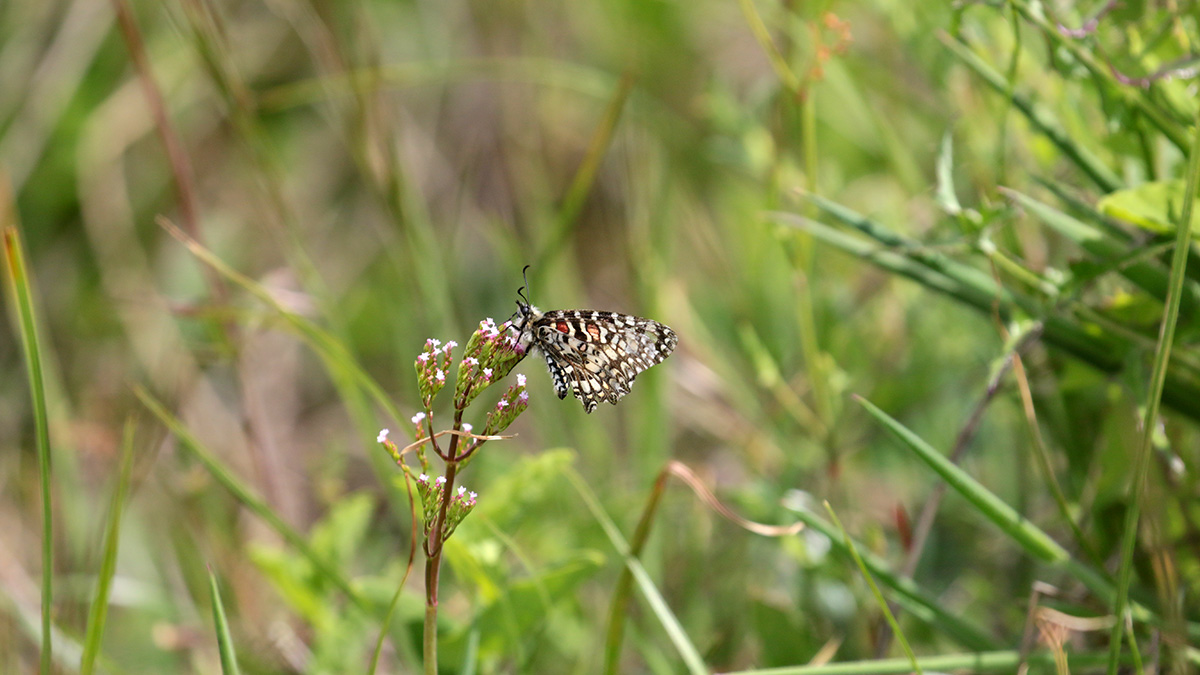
[{"x": 597, "y": 355}]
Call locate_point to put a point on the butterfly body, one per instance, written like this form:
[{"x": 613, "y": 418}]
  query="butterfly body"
[{"x": 592, "y": 354}]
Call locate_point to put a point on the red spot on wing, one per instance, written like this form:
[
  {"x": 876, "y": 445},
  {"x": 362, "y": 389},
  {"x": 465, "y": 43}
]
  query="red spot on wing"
[
  {"x": 561, "y": 327},
  {"x": 594, "y": 330}
]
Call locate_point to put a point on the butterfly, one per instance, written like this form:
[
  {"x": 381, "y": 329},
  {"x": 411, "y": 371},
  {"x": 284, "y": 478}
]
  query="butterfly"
[{"x": 594, "y": 355}]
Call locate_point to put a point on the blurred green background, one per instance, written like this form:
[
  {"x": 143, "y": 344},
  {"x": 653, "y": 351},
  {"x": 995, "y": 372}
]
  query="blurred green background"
[{"x": 384, "y": 170}]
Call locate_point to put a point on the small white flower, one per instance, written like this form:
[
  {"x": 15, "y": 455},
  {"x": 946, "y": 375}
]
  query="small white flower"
[
  {"x": 487, "y": 374},
  {"x": 416, "y": 419},
  {"x": 472, "y": 497},
  {"x": 441, "y": 376},
  {"x": 501, "y": 404},
  {"x": 523, "y": 397},
  {"x": 461, "y": 490},
  {"x": 382, "y": 436},
  {"x": 423, "y": 478},
  {"x": 467, "y": 428},
  {"x": 471, "y": 361},
  {"x": 449, "y": 345},
  {"x": 423, "y": 357},
  {"x": 440, "y": 480},
  {"x": 520, "y": 380},
  {"x": 436, "y": 343}
]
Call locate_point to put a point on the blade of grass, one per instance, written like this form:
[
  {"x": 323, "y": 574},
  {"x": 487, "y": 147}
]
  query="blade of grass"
[
  {"x": 1027, "y": 535},
  {"x": 1038, "y": 116},
  {"x": 982, "y": 662},
  {"x": 1091, "y": 343},
  {"x": 624, "y": 588},
  {"x": 1162, "y": 354},
  {"x": 887, "y": 613},
  {"x": 246, "y": 496},
  {"x": 22, "y": 292},
  {"x": 343, "y": 369},
  {"x": 229, "y": 664},
  {"x": 683, "y": 644},
  {"x": 108, "y": 566},
  {"x": 332, "y": 352},
  {"x": 906, "y": 592},
  {"x": 1145, "y": 275}
]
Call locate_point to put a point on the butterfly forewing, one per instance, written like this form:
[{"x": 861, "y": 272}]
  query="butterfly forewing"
[{"x": 596, "y": 355}]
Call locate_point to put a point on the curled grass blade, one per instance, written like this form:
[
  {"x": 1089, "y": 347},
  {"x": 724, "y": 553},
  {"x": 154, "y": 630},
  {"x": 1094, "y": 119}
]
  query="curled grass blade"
[
  {"x": 22, "y": 292},
  {"x": 108, "y": 566}
]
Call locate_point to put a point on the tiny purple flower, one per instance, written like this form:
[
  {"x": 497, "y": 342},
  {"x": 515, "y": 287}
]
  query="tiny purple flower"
[
  {"x": 523, "y": 397},
  {"x": 502, "y": 404}
]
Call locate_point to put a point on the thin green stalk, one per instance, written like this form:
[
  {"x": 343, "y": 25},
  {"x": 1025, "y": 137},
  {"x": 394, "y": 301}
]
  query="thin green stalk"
[
  {"x": 759, "y": 28},
  {"x": 108, "y": 566},
  {"x": 683, "y": 645},
  {"x": 1162, "y": 355},
  {"x": 887, "y": 613},
  {"x": 20, "y": 283},
  {"x": 624, "y": 588},
  {"x": 905, "y": 591},
  {"x": 433, "y": 551},
  {"x": 980, "y": 662}
]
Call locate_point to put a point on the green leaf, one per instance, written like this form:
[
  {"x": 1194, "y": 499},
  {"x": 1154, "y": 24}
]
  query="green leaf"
[
  {"x": 1150, "y": 206},
  {"x": 224, "y": 638}
]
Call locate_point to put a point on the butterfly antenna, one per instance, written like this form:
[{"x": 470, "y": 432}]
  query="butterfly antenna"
[{"x": 521, "y": 290}]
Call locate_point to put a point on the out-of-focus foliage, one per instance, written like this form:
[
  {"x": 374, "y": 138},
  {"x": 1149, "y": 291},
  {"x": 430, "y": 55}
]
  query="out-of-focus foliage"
[{"x": 383, "y": 171}]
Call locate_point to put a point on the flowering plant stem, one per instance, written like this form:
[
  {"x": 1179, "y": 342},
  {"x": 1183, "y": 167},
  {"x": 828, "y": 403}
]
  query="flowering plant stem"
[
  {"x": 491, "y": 353},
  {"x": 433, "y": 551}
]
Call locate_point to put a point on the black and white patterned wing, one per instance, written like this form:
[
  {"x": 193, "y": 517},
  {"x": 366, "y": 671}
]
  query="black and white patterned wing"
[{"x": 597, "y": 355}]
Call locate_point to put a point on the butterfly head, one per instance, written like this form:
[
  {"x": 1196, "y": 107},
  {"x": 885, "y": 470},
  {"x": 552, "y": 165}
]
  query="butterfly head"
[{"x": 526, "y": 313}]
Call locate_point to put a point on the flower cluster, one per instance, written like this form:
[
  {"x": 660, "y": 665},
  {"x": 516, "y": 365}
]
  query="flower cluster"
[
  {"x": 431, "y": 492},
  {"x": 432, "y": 366},
  {"x": 491, "y": 352},
  {"x": 511, "y": 404}
]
